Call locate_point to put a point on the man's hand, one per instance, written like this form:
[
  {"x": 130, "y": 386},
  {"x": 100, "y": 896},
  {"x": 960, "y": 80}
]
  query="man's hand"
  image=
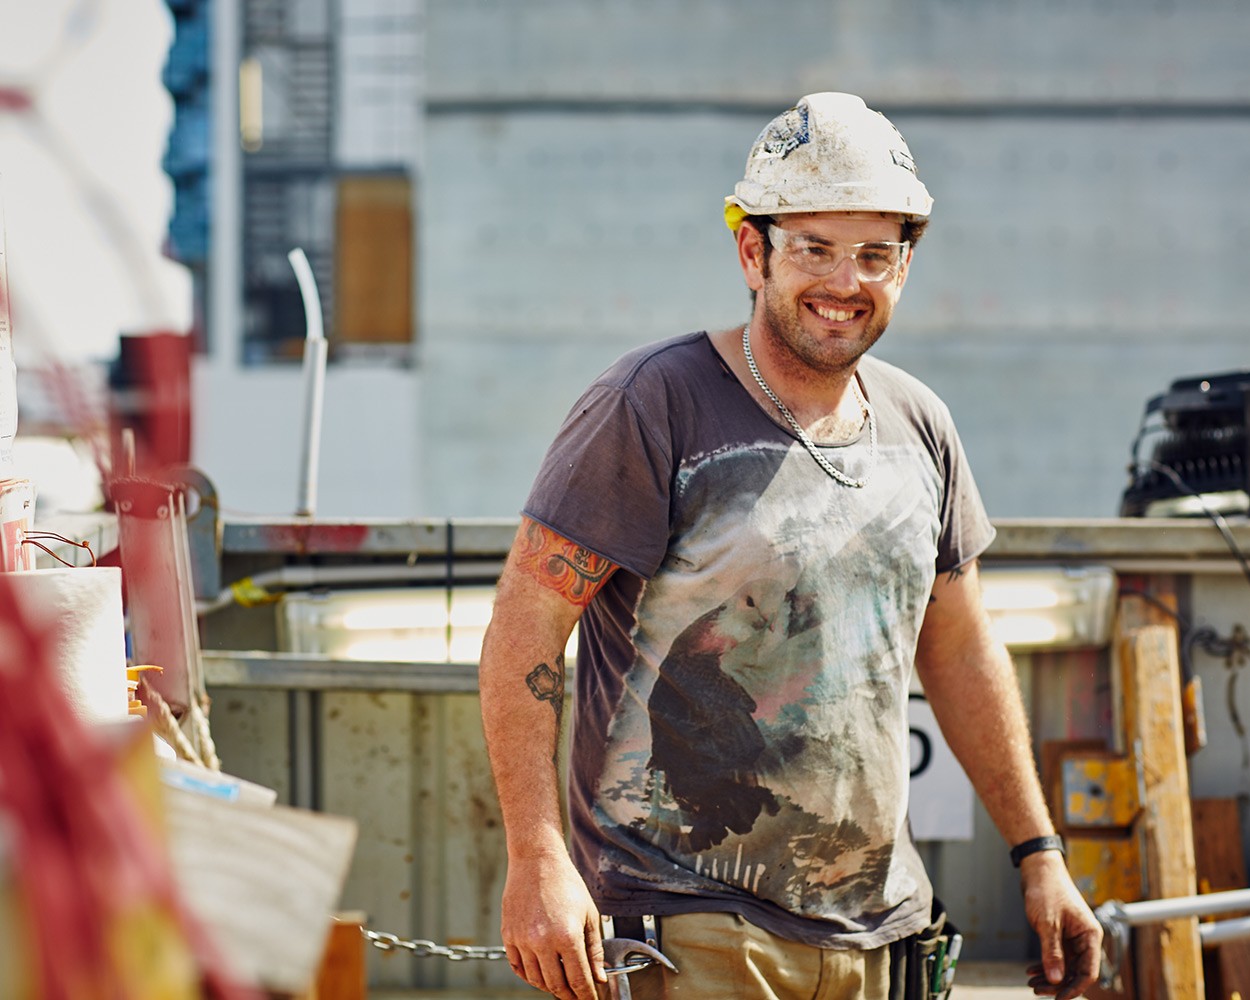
[
  {"x": 551, "y": 928},
  {"x": 1071, "y": 936}
]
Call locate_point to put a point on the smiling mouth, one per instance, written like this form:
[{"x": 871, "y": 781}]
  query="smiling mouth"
[{"x": 835, "y": 314}]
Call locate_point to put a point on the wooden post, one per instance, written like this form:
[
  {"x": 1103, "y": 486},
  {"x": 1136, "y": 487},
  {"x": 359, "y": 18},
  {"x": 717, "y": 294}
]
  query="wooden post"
[
  {"x": 1221, "y": 867},
  {"x": 341, "y": 974},
  {"x": 1169, "y": 955}
]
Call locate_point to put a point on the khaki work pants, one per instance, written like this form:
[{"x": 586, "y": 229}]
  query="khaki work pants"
[{"x": 722, "y": 956}]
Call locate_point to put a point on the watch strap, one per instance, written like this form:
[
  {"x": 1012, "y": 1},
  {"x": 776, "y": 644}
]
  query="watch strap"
[{"x": 1048, "y": 843}]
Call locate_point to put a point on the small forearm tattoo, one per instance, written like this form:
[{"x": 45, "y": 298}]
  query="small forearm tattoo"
[
  {"x": 953, "y": 576},
  {"x": 560, "y": 565},
  {"x": 547, "y": 684}
]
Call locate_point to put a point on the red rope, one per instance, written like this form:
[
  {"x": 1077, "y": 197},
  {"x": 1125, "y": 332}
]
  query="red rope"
[{"x": 82, "y": 854}]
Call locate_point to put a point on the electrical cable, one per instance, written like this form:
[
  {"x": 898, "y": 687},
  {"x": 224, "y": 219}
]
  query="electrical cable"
[
  {"x": 36, "y": 538},
  {"x": 1216, "y": 517}
]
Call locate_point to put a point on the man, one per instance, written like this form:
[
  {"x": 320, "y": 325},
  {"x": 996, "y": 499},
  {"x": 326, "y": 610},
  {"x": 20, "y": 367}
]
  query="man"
[{"x": 760, "y": 530}]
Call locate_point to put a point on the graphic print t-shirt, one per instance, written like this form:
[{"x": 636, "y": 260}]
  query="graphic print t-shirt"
[{"x": 741, "y": 740}]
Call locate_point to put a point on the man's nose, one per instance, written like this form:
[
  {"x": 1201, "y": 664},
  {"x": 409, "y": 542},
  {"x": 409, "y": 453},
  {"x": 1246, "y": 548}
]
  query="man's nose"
[{"x": 844, "y": 276}]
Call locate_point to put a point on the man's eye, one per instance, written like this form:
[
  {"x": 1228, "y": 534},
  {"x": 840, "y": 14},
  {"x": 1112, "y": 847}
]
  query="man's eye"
[{"x": 813, "y": 251}]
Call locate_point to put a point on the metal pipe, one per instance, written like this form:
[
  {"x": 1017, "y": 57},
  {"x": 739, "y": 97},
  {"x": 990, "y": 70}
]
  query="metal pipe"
[
  {"x": 315, "y": 349},
  {"x": 1224, "y": 930},
  {"x": 297, "y": 577},
  {"x": 1116, "y": 918},
  {"x": 1153, "y": 911},
  {"x": 225, "y": 270}
]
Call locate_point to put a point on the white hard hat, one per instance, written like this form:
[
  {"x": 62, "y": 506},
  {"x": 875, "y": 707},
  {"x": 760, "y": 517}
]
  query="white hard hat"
[{"x": 830, "y": 153}]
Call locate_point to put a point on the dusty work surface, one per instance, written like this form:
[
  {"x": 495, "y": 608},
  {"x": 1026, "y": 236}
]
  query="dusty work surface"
[{"x": 976, "y": 981}]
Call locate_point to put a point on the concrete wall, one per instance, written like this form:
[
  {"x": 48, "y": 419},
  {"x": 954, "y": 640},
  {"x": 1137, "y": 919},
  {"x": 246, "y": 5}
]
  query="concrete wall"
[
  {"x": 1087, "y": 248},
  {"x": 1088, "y": 242}
]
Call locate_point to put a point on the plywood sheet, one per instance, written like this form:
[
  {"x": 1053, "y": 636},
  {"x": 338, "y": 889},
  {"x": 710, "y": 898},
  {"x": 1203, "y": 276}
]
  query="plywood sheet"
[
  {"x": 265, "y": 882},
  {"x": 373, "y": 260}
]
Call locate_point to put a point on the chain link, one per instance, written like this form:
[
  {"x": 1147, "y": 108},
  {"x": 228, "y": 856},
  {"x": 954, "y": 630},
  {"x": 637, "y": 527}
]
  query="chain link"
[
  {"x": 421, "y": 948},
  {"x": 802, "y": 435}
]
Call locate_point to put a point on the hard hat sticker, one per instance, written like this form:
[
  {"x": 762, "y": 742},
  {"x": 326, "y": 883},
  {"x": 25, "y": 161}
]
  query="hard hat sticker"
[
  {"x": 903, "y": 159},
  {"x": 786, "y": 134}
]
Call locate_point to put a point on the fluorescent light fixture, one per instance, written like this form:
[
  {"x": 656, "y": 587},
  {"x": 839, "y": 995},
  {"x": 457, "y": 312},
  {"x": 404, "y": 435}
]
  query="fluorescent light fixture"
[
  {"x": 1049, "y": 607},
  {"x": 419, "y": 625}
]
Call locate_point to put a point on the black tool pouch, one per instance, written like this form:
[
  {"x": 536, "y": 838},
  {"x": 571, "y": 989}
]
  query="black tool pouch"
[{"x": 922, "y": 967}]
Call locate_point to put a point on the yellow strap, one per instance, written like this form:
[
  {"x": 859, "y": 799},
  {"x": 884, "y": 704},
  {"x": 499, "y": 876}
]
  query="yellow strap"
[
  {"x": 734, "y": 214},
  {"x": 249, "y": 594}
]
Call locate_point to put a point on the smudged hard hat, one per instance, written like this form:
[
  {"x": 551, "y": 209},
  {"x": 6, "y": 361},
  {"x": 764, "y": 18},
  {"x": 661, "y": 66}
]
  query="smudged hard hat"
[{"x": 829, "y": 153}]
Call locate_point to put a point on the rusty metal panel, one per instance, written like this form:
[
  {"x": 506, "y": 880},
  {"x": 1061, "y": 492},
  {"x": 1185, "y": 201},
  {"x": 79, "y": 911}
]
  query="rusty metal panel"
[
  {"x": 1101, "y": 791},
  {"x": 250, "y": 729},
  {"x": 370, "y": 759},
  {"x": 412, "y": 770},
  {"x": 462, "y": 850},
  {"x": 1105, "y": 869},
  {"x": 431, "y": 861}
]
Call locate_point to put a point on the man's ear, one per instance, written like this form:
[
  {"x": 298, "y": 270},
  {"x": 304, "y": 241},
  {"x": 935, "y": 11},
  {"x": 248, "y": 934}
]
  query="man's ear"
[
  {"x": 751, "y": 255},
  {"x": 901, "y": 278}
]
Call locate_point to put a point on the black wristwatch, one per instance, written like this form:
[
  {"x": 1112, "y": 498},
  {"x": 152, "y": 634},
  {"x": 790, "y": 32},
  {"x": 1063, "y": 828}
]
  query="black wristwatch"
[{"x": 1022, "y": 851}]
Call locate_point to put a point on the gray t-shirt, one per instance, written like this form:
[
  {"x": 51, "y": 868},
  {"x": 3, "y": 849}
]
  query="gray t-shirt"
[{"x": 741, "y": 741}]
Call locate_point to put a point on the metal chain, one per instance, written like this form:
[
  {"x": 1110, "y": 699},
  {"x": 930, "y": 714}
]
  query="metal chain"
[
  {"x": 421, "y": 948},
  {"x": 808, "y": 443}
]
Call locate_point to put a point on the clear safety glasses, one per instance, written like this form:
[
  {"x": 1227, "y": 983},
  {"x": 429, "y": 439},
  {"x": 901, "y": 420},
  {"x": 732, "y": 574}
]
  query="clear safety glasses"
[{"x": 874, "y": 261}]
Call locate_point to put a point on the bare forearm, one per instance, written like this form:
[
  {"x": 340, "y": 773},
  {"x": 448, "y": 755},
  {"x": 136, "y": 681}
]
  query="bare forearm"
[
  {"x": 970, "y": 682},
  {"x": 522, "y": 682},
  {"x": 545, "y": 586}
]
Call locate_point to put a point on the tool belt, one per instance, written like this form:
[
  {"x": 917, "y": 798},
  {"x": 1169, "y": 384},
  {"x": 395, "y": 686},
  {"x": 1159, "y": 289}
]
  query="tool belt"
[{"x": 922, "y": 966}]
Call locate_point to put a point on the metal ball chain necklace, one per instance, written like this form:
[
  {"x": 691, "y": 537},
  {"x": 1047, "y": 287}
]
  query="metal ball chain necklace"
[{"x": 808, "y": 443}]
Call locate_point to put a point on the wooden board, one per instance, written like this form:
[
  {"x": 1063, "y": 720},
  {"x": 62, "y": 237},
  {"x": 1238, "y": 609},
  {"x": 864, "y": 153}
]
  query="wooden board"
[
  {"x": 1218, "y": 859},
  {"x": 1220, "y": 867},
  {"x": 1233, "y": 962},
  {"x": 342, "y": 974},
  {"x": 1169, "y": 956},
  {"x": 265, "y": 881},
  {"x": 373, "y": 261}
]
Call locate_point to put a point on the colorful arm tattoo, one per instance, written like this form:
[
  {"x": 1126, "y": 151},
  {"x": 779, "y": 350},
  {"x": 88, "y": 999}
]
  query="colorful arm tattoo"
[{"x": 560, "y": 565}]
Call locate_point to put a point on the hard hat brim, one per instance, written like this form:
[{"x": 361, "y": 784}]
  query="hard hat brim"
[{"x": 735, "y": 211}]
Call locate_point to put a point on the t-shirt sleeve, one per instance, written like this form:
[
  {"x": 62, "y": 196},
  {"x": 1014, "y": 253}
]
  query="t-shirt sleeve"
[
  {"x": 606, "y": 481},
  {"x": 966, "y": 529}
]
